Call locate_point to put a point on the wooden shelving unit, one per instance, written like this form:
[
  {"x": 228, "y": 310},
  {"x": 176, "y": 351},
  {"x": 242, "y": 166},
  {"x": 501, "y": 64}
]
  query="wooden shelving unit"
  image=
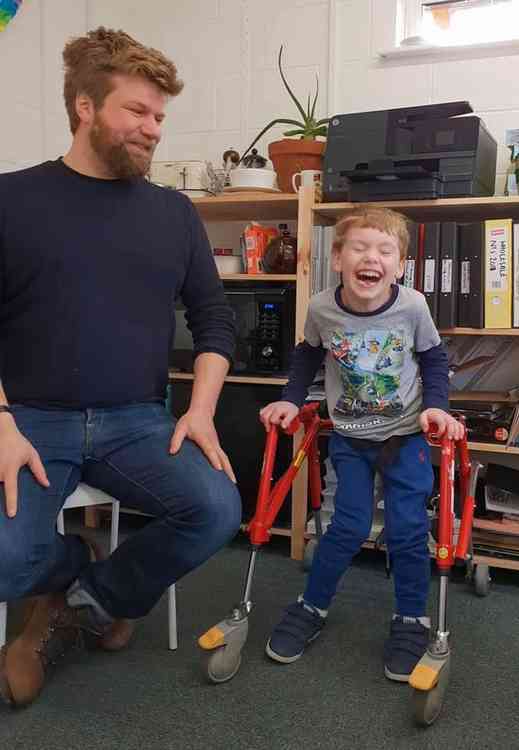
[
  {"x": 448, "y": 209},
  {"x": 273, "y": 206},
  {"x": 245, "y": 207}
]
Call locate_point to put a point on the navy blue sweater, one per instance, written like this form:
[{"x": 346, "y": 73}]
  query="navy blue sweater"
[{"x": 89, "y": 271}]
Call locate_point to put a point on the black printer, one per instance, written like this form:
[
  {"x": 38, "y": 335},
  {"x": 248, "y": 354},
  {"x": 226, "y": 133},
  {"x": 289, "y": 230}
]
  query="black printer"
[{"x": 408, "y": 153}]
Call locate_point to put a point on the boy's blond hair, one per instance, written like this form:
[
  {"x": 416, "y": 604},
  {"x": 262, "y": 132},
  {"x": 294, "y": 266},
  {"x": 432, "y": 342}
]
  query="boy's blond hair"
[
  {"x": 92, "y": 60},
  {"x": 372, "y": 217}
]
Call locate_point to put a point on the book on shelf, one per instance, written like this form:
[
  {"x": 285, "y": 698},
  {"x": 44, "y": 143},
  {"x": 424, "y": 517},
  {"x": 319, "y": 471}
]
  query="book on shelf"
[
  {"x": 323, "y": 276},
  {"x": 410, "y": 276},
  {"x": 513, "y": 438},
  {"x": 467, "y": 272},
  {"x": 448, "y": 291},
  {"x": 431, "y": 265},
  {"x": 498, "y": 273},
  {"x": 515, "y": 276},
  {"x": 471, "y": 308}
]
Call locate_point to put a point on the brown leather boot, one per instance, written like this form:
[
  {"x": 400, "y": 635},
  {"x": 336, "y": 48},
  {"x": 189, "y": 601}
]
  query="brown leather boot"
[
  {"x": 117, "y": 636},
  {"x": 51, "y": 630},
  {"x": 5, "y": 690}
]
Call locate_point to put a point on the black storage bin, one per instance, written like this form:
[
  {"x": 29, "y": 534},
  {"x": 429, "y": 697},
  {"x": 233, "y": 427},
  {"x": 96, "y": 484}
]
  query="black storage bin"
[{"x": 242, "y": 437}]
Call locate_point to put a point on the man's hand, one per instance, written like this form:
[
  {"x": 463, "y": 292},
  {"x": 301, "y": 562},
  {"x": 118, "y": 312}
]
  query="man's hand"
[
  {"x": 199, "y": 427},
  {"x": 15, "y": 452},
  {"x": 278, "y": 412},
  {"x": 445, "y": 422}
]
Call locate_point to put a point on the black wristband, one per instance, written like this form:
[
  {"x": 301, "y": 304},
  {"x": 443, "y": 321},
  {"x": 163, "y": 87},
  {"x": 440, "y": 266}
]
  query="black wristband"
[{"x": 4, "y": 407}]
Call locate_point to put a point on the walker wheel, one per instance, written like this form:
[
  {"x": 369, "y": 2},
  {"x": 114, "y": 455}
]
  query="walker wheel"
[
  {"x": 482, "y": 580},
  {"x": 308, "y": 558},
  {"x": 427, "y": 704},
  {"x": 221, "y": 664}
]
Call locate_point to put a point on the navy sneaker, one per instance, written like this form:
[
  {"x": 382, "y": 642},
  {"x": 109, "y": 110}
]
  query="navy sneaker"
[
  {"x": 407, "y": 643},
  {"x": 300, "y": 626}
]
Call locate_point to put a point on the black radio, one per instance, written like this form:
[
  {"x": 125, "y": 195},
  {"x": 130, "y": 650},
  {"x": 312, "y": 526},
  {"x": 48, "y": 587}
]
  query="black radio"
[{"x": 264, "y": 314}]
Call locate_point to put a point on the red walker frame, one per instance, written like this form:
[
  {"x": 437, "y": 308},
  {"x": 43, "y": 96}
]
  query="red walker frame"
[
  {"x": 224, "y": 642},
  {"x": 270, "y": 500}
]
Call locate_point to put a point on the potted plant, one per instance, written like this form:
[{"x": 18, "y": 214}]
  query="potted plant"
[{"x": 291, "y": 155}]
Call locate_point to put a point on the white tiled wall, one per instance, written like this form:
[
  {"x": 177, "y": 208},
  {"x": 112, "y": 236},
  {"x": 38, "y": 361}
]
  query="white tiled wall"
[
  {"x": 226, "y": 53},
  {"x": 225, "y": 50},
  {"x": 361, "y": 81}
]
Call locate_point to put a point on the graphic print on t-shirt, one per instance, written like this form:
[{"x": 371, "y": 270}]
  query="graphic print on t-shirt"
[{"x": 370, "y": 365}]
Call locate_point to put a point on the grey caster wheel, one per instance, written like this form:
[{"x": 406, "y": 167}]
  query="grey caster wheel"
[
  {"x": 482, "y": 580},
  {"x": 222, "y": 646},
  {"x": 427, "y": 704},
  {"x": 308, "y": 558}
]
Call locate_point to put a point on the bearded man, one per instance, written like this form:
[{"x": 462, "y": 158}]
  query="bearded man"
[{"x": 92, "y": 259}]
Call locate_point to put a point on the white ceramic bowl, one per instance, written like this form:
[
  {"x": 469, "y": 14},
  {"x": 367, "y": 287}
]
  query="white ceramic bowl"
[
  {"x": 228, "y": 263},
  {"x": 253, "y": 178}
]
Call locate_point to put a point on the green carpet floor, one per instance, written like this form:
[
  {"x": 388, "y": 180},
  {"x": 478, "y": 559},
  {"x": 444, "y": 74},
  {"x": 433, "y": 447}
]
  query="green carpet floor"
[{"x": 334, "y": 698}]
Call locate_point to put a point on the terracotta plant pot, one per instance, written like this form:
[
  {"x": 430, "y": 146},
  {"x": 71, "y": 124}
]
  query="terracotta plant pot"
[{"x": 292, "y": 155}]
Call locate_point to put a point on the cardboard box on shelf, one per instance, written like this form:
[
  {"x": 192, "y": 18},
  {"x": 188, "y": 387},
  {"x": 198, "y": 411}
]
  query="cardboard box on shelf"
[{"x": 255, "y": 239}]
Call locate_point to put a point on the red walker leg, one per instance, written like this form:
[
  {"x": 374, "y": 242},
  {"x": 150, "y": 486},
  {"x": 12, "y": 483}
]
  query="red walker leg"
[{"x": 430, "y": 676}]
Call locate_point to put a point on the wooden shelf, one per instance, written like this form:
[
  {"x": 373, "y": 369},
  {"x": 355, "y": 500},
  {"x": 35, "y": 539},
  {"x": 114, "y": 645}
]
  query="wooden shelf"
[
  {"x": 258, "y": 277},
  {"x": 438, "y": 209},
  {"x": 505, "y": 526},
  {"x": 495, "y": 562},
  {"x": 251, "y": 379},
  {"x": 504, "y": 397},
  {"x": 479, "y": 332},
  {"x": 476, "y": 447},
  {"x": 247, "y": 206},
  {"x": 278, "y": 531},
  {"x": 275, "y": 530},
  {"x": 493, "y": 448}
]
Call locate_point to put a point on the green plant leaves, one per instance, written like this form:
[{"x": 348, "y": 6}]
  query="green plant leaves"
[
  {"x": 292, "y": 95},
  {"x": 309, "y": 127}
]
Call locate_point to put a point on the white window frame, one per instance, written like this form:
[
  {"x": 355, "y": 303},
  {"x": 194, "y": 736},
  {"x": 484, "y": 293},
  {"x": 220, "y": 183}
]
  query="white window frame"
[
  {"x": 411, "y": 14},
  {"x": 408, "y": 17}
]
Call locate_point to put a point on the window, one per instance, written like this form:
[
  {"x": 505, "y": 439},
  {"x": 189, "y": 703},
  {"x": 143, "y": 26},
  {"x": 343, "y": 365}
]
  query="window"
[{"x": 459, "y": 22}]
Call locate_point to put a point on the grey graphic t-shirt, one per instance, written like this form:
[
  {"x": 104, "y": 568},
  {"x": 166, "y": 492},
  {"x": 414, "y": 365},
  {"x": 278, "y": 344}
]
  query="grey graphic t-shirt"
[{"x": 372, "y": 379}]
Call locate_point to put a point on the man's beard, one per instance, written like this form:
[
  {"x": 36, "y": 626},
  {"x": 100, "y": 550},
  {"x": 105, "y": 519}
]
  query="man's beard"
[{"x": 116, "y": 157}]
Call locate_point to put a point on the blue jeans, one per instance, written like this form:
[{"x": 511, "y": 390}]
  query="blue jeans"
[
  {"x": 408, "y": 481},
  {"x": 125, "y": 452}
]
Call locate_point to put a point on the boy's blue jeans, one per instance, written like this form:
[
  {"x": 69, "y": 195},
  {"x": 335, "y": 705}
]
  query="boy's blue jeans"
[
  {"x": 408, "y": 481},
  {"x": 125, "y": 452}
]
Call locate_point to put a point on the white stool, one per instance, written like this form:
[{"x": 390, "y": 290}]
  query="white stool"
[{"x": 85, "y": 496}]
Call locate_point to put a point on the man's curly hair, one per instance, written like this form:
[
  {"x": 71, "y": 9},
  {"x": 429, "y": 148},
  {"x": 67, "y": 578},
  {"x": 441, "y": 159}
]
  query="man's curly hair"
[{"x": 93, "y": 59}]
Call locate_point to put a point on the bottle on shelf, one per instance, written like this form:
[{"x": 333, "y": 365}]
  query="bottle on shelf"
[{"x": 281, "y": 253}]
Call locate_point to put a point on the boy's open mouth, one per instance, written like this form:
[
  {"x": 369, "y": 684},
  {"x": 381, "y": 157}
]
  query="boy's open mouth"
[{"x": 368, "y": 278}]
